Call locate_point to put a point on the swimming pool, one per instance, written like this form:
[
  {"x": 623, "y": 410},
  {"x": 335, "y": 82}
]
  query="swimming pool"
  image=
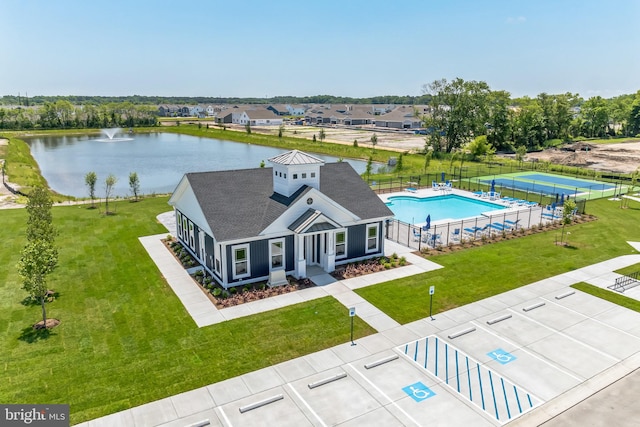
[{"x": 414, "y": 210}]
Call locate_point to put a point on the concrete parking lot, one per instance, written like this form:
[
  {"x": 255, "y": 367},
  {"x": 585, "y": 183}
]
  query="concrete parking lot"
[{"x": 519, "y": 358}]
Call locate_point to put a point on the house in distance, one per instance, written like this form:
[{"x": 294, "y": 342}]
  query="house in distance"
[{"x": 243, "y": 225}]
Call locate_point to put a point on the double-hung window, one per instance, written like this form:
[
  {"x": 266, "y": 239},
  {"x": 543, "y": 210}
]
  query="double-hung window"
[
  {"x": 372, "y": 238},
  {"x": 179, "y": 224},
  {"x": 241, "y": 262},
  {"x": 341, "y": 244},
  {"x": 276, "y": 254}
]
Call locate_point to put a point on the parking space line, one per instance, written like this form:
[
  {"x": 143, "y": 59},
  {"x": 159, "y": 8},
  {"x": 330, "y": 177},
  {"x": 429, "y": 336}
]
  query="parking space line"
[
  {"x": 384, "y": 394},
  {"x": 504, "y": 392},
  {"x": 525, "y": 350},
  {"x": 493, "y": 394},
  {"x": 488, "y": 384},
  {"x": 224, "y": 416},
  {"x": 594, "y": 319},
  {"x": 304, "y": 402},
  {"x": 481, "y": 389},
  {"x": 515, "y": 391},
  {"x": 562, "y": 334}
]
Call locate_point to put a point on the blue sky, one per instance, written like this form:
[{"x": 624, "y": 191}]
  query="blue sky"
[{"x": 355, "y": 48}]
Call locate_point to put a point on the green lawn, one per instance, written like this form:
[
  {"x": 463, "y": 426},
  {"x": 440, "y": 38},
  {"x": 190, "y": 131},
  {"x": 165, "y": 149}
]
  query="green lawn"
[
  {"x": 125, "y": 339},
  {"x": 478, "y": 273}
]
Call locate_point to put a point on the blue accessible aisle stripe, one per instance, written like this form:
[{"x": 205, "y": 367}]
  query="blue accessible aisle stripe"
[{"x": 491, "y": 392}]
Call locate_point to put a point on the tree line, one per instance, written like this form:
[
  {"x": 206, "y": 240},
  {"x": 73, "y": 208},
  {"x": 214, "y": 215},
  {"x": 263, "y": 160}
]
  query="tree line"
[
  {"x": 461, "y": 111},
  {"x": 17, "y": 100},
  {"x": 62, "y": 114}
]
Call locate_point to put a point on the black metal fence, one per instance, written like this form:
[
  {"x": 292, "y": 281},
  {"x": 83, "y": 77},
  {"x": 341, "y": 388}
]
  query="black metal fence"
[
  {"x": 478, "y": 228},
  {"x": 466, "y": 178}
]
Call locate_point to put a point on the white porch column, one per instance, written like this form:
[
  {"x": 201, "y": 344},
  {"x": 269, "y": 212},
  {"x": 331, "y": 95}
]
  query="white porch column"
[
  {"x": 301, "y": 263},
  {"x": 331, "y": 252}
]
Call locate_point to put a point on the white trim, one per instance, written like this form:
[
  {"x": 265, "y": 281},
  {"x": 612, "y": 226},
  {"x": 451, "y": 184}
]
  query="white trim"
[
  {"x": 282, "y": 254},
  {"x": 375, "y": 226},
  {"x": 247, "y": 272}
]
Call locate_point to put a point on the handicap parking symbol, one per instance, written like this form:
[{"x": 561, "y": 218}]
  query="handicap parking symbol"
[
  {"x": 501, "y": 356},
  {"x": 418, "y": 391}
]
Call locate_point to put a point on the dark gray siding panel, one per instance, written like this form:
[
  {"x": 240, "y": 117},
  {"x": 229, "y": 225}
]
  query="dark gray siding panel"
[
  {"x": 290, "y": 259},
  {"x": 356, "y": 237},
  {"x": 259, "y": 258}
]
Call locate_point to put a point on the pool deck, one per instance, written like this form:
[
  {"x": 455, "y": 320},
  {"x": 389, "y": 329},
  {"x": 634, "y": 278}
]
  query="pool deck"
[{"x": 515, "y": 216}]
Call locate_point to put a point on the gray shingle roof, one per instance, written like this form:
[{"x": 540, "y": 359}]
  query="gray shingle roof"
[
  {"x": 295, "y": 157},
  {"x": 241, "y": 203}
]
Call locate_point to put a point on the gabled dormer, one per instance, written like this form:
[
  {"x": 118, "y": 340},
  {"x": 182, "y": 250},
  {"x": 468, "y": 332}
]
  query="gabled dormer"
[{"x": 293, "y": 169}]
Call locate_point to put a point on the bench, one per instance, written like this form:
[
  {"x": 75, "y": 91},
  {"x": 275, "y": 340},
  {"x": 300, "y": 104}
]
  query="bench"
[{"x": 277, "y": 278}]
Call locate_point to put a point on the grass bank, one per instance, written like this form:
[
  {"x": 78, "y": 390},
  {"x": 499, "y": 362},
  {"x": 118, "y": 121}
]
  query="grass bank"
[
  {"x": 21, "y": 168},
  {"x": 286, "y": 142},
  {"x": 125, "y": 339}
]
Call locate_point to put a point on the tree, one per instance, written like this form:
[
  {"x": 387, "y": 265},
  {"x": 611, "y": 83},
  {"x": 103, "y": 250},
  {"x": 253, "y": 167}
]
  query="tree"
[
  {"x": 134, "y": 184},
  {"x": 322, "y": 135},
  {"x": 90, "y": 179},
  {"x": 567, "y": 215},
  {"x": 314, "y": 137},
  {"x": 39, "y": 256},
  {"x": 479, "y": 147},
  {"x": 374, "y": 141},
  {"x": 109, "y": 183},
  {"x": 428, "y": 153},
  {"x": 498, "y": 127},
  {"x": 369, "y": 167},
  {"x": 459, "y": 110},
  {"x": 399, "y": 164},
  {"x": 280, "y": 131},
  {"x": 247, "y": 127},
  {"x": 355, "y": 143},
  {"x": 595, "y": 115},
  {"x": 521, "y": 152},
  {"x": 634, "y": 117}
]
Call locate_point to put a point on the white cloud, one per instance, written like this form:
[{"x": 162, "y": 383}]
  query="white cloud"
[{"x": 516, "y": 20}]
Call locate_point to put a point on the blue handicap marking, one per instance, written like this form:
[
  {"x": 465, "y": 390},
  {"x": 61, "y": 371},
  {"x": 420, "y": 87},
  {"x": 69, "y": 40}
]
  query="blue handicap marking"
[
  {"x": 418, "y": 391},
  {"x": 501, "y": 356}
]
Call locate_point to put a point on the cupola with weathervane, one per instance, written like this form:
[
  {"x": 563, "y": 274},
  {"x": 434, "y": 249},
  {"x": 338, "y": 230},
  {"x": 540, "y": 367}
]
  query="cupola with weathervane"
[{"x": 293, "y": 169}]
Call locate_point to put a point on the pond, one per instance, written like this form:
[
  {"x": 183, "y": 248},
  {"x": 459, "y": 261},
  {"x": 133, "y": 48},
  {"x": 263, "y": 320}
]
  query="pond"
[{"x": 159, "y": 159}]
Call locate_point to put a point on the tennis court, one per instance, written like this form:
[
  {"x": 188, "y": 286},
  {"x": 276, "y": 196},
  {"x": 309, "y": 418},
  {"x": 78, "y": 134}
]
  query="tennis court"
[{"x": 550, "y": 184}]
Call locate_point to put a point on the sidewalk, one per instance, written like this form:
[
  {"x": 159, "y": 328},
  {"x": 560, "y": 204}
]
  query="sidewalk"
[{"x": 204, "y": 313}]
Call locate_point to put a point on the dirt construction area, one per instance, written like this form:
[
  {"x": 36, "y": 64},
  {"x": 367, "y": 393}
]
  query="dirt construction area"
[{"x": 622, "y": 157}]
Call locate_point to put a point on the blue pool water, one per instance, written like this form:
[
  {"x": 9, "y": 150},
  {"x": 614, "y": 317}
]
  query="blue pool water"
[{"x": 414, "y": 210}]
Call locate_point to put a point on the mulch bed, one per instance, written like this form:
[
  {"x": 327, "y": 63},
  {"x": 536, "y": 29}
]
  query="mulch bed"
[
  {"x": 361, "y": 268},
  {"x": 51, "y": 323},
  {"x": 255, "y": 293}
]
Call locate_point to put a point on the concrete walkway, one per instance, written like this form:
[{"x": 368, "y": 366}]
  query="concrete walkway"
[{"x": 205, "y": 313}]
